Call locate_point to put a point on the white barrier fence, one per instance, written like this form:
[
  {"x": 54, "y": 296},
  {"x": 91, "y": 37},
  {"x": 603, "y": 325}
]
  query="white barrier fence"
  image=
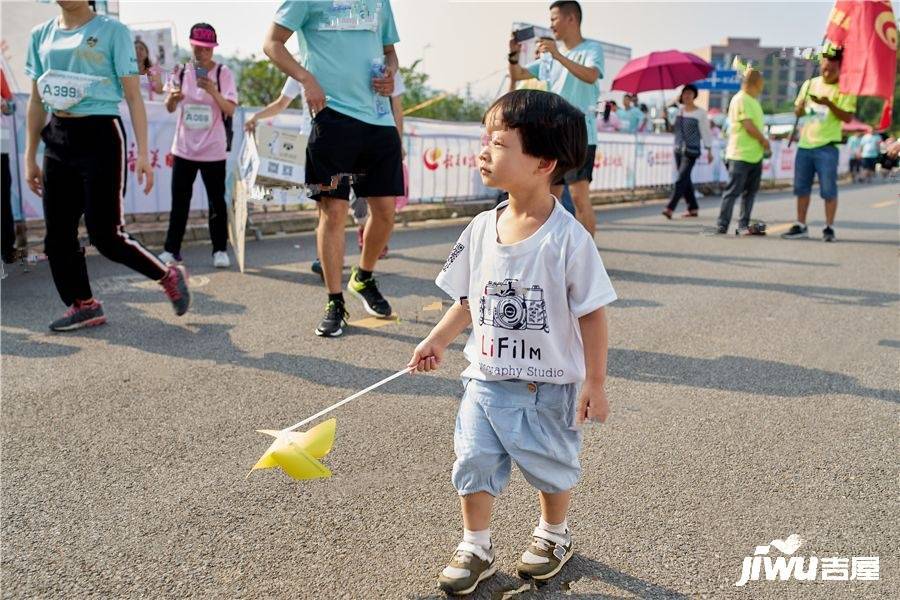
[{"x": 442, "y": 161}]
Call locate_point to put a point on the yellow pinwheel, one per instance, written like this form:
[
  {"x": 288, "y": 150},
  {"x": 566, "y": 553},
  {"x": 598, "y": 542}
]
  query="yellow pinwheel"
[{"x": 297, "y": 453}]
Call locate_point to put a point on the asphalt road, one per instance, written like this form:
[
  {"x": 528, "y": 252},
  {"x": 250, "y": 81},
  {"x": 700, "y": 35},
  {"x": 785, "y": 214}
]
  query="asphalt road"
[{"x": 754, "y": 390}]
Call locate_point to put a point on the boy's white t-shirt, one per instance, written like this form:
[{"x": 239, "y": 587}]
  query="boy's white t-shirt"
[{"x": 526, "y": 298}]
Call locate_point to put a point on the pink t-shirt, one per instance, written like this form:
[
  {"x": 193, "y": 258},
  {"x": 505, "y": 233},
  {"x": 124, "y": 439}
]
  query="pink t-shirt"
[{"x": 200, "y": 132}]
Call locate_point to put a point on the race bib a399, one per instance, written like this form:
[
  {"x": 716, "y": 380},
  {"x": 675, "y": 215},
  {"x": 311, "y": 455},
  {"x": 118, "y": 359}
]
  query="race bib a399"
[{"x": 61, "y": 90}]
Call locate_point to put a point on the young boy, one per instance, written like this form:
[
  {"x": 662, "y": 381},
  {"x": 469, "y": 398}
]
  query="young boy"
[{"x": 528, "y": 279}]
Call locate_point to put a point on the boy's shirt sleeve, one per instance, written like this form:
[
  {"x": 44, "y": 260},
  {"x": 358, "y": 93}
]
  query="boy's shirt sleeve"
[
  {"x": 454, "y": 276},
  {"x": 587, "y": 284}
]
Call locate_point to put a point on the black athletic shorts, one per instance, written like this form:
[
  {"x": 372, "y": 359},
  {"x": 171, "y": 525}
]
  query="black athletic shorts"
[
  {"x": 585, "y": 173},
  {"x": 342, "y": 144}
]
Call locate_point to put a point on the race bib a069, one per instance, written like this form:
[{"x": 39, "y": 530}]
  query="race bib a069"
[{"x": 197, "y": 116}]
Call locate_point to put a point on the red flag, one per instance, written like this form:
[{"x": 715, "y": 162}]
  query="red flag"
[
  {"x": 867, "y": 32},
  {"x": 4, "y": 88}
]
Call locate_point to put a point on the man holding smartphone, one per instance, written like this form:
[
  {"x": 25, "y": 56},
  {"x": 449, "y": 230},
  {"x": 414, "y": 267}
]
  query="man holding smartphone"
[{"x": 573, "y": 72}]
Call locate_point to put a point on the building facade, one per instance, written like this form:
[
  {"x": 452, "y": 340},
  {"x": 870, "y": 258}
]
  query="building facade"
[{"x": 784, "y": 71}]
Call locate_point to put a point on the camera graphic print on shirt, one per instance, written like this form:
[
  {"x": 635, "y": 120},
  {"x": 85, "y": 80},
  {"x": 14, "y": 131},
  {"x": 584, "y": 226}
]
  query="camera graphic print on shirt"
[
  {"x": 507, "y": 305},
  {"x": 525, "y": 299}
]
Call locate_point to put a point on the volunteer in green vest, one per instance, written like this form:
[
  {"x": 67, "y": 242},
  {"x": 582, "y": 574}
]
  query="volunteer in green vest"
[
  {"x": 824, "y": 109},
  {"x": 747, "y": 146}
]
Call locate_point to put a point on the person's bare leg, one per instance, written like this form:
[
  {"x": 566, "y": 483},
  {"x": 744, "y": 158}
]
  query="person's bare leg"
[
  {"x": 584, "y": 212},
  {"x": 378, "y": 230},
  {"x": 330, "y": 240},
  {"x": 830, "y": 211},
  {"x": 476, "y": 510},
  {"x": 802, "y": 208},
  {"x": 554, "y": 507}
]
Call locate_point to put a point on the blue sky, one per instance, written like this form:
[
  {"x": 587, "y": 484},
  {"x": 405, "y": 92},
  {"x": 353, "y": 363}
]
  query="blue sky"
[{"x": 465, "y": 41}]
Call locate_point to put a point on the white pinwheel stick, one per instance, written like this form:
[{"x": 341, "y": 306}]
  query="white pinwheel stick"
[{"x": 349, "y": 398}]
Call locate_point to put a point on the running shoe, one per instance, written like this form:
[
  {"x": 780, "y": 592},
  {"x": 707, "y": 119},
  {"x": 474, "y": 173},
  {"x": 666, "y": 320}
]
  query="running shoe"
[
  {"x": 80, "y": 315},
  {"x": 168, "y": 258},
  {"x": 335, "y": 319},
  {"x": 796, "y": 232},
  {"x": 828, "y": 235},
  {"x": 221, "y": 260},
  {"x": 367, "y": 292},
  {"x": 175, "y": 284},
  {"x": 316, "y": 267}
]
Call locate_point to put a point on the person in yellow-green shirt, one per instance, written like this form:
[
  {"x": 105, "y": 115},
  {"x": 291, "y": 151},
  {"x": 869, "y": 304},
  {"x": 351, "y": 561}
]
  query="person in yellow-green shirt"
[
  {"x": 747, "y": 146},
  {"x": 825, "y": 109}
]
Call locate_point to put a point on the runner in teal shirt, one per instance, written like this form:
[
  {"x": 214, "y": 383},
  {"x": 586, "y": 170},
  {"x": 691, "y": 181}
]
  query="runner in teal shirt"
[
  {"x": 338, "y": 41},
  {"x": 102, "y": 47}
]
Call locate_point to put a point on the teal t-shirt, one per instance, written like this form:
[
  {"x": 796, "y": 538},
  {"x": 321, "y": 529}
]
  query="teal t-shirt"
[
  {"x": 853, "y": 143},
  {"x": 102, "y": 47},
  {"x": 631, "y": 119},
  {"x": 580, "y": 94},
  {"x": 338, "y": 40},
  {"x": 870, "y": 146}
]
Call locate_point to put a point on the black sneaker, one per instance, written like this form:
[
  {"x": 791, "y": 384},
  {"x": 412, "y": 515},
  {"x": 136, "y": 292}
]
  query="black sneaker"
[
  {"x": 316, "y": 268},
  {"x": 714, "y": 231},
  {"x": 796, "y": 232},
  {"x": 367, "y": 291},
  {"x": 78, "y": 316},
  {"x": 335, "y": 319},
  {"x": 828, "y": 235}
]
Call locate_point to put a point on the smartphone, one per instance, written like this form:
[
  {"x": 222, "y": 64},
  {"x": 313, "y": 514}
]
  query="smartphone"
[
  {"x": 521, "y": 35},
  {"x": 200, "y": 71}
]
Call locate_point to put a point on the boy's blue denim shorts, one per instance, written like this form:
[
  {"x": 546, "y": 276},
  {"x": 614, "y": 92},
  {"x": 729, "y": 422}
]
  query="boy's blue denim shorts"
[
  {"x": 822, "y": 160},
  {"x": 501, "y": 422}
]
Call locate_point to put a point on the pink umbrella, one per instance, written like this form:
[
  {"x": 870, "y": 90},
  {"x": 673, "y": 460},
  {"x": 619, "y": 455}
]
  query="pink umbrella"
[{"x": 661, "y": 71}]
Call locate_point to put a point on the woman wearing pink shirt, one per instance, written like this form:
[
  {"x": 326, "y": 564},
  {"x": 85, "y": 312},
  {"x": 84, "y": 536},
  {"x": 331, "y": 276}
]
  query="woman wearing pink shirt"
[
  {"x": 204, "y": 94},
  {"x": 151, "y": 75}
]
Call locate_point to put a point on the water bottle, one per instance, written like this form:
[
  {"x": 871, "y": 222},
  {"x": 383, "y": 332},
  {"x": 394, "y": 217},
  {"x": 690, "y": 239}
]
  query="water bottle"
[
  {"x": 546, "y": 64},
  {"x": 382, "y": 103}
]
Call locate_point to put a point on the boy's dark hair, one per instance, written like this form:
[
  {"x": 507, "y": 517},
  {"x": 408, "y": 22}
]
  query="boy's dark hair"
[
  {"x": 550, "y": 127},
  {"x": 570, "y": 7}
]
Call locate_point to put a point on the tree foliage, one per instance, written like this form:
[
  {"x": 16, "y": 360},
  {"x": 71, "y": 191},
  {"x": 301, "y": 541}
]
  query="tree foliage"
[
  {"x": 452, "y": 107},
  {"x": 260, "y": 82}
]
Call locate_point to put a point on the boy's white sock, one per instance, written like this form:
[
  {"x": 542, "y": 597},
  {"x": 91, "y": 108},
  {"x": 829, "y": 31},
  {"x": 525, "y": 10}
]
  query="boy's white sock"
[
  {"x": 479, "y": 538},
  {"x": 560, "y": 531}
]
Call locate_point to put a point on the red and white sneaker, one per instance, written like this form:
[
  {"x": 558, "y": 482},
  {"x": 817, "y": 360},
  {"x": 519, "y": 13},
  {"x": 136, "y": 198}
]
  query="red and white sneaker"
[{"x": 175, "y": 284}]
